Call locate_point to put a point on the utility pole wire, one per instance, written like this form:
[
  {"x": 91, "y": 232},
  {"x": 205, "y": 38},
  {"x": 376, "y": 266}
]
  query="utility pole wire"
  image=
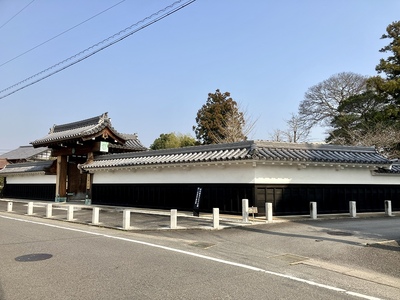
[
  {"x": 16, "y": 14},
  {"x": 60, "y": 33},
  {"x": 98, "y": 50}
]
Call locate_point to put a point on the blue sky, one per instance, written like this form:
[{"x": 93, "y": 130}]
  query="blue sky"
[{"x": 265, "y": 53}]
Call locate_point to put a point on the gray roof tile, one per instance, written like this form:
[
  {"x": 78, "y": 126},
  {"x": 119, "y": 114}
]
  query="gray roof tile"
[
  {"x": 23, "y": 152},
  {"x": 76, "y": 130},
  {"x": 87, "y": 128},
  {"x": 27, "y": 167},
  {"x": 132, "y": 143},
  {"x": 394, "y": 169},
  {"x": 268, "y": 151}
]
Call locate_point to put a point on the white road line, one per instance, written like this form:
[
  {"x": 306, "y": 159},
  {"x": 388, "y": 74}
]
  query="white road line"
[{"x": 309, "y": 282}]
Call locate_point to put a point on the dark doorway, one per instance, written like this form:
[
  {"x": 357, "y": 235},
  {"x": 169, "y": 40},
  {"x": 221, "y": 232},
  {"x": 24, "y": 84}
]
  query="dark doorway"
[{"x": 76, "y": 189}]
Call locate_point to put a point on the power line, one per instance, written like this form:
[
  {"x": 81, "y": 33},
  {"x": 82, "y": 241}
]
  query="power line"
[
  {"x": 164, "y": 13},
  {"x": 60, "y": 33},
  {"x": 16, "y": 14}
]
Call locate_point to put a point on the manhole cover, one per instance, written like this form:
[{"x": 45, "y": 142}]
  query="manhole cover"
[
  {"x": 201, "y": 245},
  {"x": 33, "y": 257},
  {"x": 341, "y": 233}
]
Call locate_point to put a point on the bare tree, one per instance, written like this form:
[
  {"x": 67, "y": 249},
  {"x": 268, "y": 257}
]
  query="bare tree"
[
  {"x": 297, "y": 131},
  {"x": 277, "y": 136},
  {"x": 383, "y": 137},
  {"x": 322, "y": 100}
]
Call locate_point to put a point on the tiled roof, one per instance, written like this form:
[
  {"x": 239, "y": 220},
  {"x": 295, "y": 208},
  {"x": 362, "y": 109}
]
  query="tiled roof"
[
  {"x": 168, "y": 156},
  {"x": 318, "y": 153},
  {"x": 27, "y": 167},
  {"x": 132, "y": 143},
  {"x": 394, "y": 169},
  {"x": 23, "y": 152},
  {"x": 249, "y": 150},
  {"x": 76, "y": 130}
]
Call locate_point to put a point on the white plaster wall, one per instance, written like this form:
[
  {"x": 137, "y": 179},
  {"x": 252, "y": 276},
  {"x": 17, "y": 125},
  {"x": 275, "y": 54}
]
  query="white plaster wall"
[
  {"x": 261, "y": 174},
  {"x": 195, "y": 174},
  {"x": 32, "y": 179},
  {"x": 267, "y": 174}
]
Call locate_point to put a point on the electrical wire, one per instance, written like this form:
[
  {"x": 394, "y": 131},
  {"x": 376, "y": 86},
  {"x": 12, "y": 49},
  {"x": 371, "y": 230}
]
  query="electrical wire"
[
  {"x": 41, "y": 44},
  {"x": 16, "y": 14},
  {"x": 165, "y": 13}
]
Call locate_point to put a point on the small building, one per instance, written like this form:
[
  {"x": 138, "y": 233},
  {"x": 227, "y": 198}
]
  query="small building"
[
  {"x": 288, "y": 175},
  {"x": 30, "y": 180},
  {"x": 26, "y": 153},
  {"x": 23, "y": 154}
]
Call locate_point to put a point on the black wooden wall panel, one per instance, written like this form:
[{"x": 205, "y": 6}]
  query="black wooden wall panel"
[
  {"x": 227, "y": 197},
  {"x": 30, "y": 191}
]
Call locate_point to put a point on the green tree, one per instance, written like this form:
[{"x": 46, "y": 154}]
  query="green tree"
[
  {"x": 187, "y": 140},
  {"x": 219, "y": 120},
  {"x": 357, "y": 115},
  {"x": 172, "y": 140},
  {"x": 363, "y": 121},
  {"x": 389, "y": 87},
  {"x": 372, "y": 118}
]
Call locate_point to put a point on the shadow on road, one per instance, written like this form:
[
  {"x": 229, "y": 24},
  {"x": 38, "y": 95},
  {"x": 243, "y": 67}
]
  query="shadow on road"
[
  {"x": 390, "y": 246},
  {"x": 379, "y": 233},
  {"x": 294, "y": 235}
]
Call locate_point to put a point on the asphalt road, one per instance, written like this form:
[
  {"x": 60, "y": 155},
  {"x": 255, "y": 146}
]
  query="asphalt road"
[{"x": 319, "y": 259}]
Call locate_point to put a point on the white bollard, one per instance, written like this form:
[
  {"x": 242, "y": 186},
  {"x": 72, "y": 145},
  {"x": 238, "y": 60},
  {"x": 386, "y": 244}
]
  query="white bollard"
[
  {"x": 70, "y": 212},
  {"x": 49, "y": 210},
  {"x": 353, "y": 209},
  {"x": 126, "y": 219},
  {"x": 95, "y": 215},
  {"x": 313, "y": 210},
  {"x": 215, "y": 217},
  {"x": 388, "y": 208},
  {"x": 30, "y": 208},
  {"x": 268, "y": 211},
  {"x": 245, "y": 210},
  {"x": 174, "y": 219},
  {"x": 9, "y": 206}
]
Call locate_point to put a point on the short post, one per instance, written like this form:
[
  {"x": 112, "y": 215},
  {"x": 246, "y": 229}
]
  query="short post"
[
  {"x": 70, "y": 212},
  {"x": 174, "y": 219},
  {"x": 215, "y": 217},
  {"x": 353, "y": 209},
  {"x": 30, "y": 208},
  {"x": 49, "y": 210},
  {"x": 245, "y": 210},
  {"x": 126, "y": 219},
  {"x": 313, "y": 210},
  {"x": 95, "y": 215},
  {"x": 388, "y": 208},
  {"x": 9, "y": 206},
  {"x": 268, "y": 211}
]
